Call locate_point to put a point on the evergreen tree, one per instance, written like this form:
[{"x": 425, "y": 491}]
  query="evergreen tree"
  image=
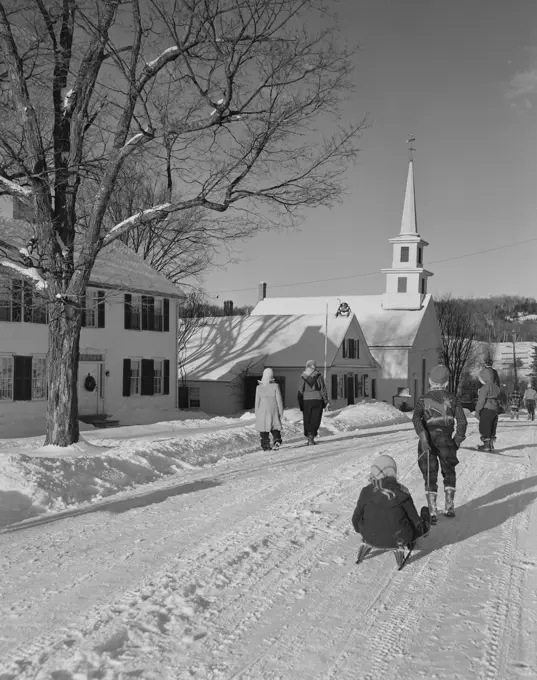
[{"x": 533, "y": 372}]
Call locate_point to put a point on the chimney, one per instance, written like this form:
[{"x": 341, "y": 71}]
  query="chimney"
[
  {"x": 262, "y": 291},
  {"x": 228, "y": 307}
]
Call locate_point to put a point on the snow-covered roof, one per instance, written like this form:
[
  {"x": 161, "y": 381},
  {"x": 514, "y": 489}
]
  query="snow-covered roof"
[
  {"x": 225, "y": 346},
  {"x": 381, "y": 327},
  {"x": 116, "y": 265}
]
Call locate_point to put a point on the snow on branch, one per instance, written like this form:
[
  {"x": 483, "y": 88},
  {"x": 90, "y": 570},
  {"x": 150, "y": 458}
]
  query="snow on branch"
[
  {"x": 29, "y": 272},
  {"x": 15, "y": 189},
  {"x": 134, "y": 220},
  {"x": 167, "y": 55}
]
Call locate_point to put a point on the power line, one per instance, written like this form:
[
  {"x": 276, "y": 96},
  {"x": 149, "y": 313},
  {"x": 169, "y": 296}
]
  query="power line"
[{"x": 357, "y": 276}]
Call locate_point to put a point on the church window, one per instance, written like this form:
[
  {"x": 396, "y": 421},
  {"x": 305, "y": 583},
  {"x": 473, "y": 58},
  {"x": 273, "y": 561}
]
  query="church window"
[
  {"x": 405, "y": 253},
  {"x": 423, "y": 288},
  {"x": 401, "y": 284},
  {"x": 419, "y": 256}
]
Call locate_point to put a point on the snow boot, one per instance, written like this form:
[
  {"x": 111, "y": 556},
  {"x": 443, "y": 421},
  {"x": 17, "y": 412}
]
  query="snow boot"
[
  {"x": 431, "y": 504},
  {"x": 402, "y": 554},
  {"x": 363, "y": 551},
  {"x": 449, "y": 492},
  {"x": 311, "y": 440},
  {"x": 425, "y": 516},
  {"x": 486, "y": 446}
]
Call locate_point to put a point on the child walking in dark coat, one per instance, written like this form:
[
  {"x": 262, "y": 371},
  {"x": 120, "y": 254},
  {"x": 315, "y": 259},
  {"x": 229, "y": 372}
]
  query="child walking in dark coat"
[
  {"x": 385, "y": 514},
  {"x": 487, "y": 408},
  {"x": 434, "y": 419}
]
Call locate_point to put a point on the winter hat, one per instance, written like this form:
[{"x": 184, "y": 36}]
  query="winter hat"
[
  {"x": 383, "y": 466},
  {"x": 311, "y": 364},
  {"x": 268, "y": 376},
  {"x": 439, "y": 375},
  {"x": 486, "y": 375}
]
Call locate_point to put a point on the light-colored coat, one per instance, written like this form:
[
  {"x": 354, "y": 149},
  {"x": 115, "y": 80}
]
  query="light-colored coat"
[{"x": 268, "y": 407}]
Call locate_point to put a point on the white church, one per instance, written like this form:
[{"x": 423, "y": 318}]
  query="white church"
[
  {"x": 383, "y": 348},
  {"x": 400, "y": 325}
]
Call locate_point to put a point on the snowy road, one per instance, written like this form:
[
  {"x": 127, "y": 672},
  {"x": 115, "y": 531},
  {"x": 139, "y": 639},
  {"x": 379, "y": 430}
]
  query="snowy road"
[{"x": 247, "y": 570}]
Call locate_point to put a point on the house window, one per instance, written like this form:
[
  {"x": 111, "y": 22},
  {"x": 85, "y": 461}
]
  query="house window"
[
  {"x": 351, "y": 353},
  {"x": 333, "y": 390},
  {"x": 5, "y": 300},
  {"x": 419, "y": 255},
  {"x": 135, "y": 377},
  {"x": 6, "y": 378},
  {"x": 405, "y": 253},
  {"x": 93, "y": 315},
  {"x": 145, "y": 313},
  {"x": 401, "y": 284},
  {"x": 39, "y": 378},
  {"x": 158, "y": 376},
  {"x": 423, "y": 287},
  {"x": 194, "y": 397}
]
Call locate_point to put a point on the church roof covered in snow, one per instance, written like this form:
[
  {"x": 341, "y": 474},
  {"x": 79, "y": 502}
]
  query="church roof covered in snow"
[
  {"x": 381, "y": 327},
  {"x": 223, "y": 347},
  {"x": 116, "y": 266}
]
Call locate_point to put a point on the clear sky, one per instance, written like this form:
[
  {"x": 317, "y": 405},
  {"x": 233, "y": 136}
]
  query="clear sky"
[{"x": 460, "y": 75}]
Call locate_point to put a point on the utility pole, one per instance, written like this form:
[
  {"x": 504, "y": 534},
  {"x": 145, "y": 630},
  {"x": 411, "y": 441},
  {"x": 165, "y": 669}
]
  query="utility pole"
[{"x": 513, "y": 335}]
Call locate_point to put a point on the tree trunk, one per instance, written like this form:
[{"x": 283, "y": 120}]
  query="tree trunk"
[{"x": 62, "y": 374}]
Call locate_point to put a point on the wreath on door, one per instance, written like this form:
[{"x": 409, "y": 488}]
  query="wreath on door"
[{"x": 89, "y": 383}]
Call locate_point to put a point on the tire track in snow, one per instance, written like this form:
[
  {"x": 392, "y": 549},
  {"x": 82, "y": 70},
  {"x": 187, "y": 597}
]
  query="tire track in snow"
[
  {"x": 504, "y": 613},
  {"x": 98, "y": 619}
]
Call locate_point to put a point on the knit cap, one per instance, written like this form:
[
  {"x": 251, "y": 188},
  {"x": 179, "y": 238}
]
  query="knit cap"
[
  {"x": 383, "y": 466},
  {"x": 439, "y": 375}
]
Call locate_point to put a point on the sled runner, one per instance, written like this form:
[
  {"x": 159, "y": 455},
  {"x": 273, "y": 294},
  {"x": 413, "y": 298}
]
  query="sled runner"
[{"x": 402, "y": 553}]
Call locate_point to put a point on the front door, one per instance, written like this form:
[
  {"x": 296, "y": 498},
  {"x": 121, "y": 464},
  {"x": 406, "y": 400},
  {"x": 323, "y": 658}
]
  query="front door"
[
  {"x": 350, "y": 390},
  {"x": 88, "y": 388}
]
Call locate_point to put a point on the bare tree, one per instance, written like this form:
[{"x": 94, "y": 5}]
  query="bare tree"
[
  {"x": 457, "y": 331},
  {"x": 180, "y": 246},
  {"x": 251, "y": 90}
]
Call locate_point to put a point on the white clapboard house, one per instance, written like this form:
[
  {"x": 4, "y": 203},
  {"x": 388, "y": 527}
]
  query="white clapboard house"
[{"x": 128, "y": 343}]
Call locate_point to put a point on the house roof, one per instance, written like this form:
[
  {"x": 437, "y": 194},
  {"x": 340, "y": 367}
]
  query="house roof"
[
  {"x": 381, "y": 327},
  {"x": 116, "y": 265},
  {"x": 223, "y": 347}
]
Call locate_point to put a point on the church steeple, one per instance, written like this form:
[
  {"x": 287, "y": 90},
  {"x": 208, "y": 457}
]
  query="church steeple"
[
  {"x": 406, "y": 280},
  {"x": 409, "y": 224}
]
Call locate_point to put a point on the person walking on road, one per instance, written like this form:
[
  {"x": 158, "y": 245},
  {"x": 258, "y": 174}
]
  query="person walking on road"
[
  {"x": 312, "y": 400},
  {"x": 434, "y": 419},
  {"x": 268, "y": 410},
  {"x": 487, "y": 409},
  {"x": 530, "y": 398}
]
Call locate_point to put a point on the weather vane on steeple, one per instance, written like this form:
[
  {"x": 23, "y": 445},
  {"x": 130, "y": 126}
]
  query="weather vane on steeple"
[{"x": 410, "y": 147}]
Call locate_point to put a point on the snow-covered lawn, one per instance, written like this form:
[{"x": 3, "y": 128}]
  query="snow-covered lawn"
[
  {"x": 35, "y": 479},
  {"x": 246, "y": 569}
]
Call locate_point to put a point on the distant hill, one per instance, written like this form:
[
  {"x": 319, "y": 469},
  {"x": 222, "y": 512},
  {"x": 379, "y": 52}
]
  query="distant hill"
[{"x": 496, "y": 317}]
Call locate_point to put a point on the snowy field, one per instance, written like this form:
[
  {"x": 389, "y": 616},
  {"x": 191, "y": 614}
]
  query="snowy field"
[{"x": 243, "y": 566}]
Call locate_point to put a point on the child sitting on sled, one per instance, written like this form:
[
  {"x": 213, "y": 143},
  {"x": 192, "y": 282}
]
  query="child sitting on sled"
[{"x": 386, "y": 516}]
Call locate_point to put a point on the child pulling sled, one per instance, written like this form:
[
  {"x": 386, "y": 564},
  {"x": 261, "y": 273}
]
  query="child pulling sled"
[
  {"x": 434, "y": 419},
  {"x": 386, "y": 516}
]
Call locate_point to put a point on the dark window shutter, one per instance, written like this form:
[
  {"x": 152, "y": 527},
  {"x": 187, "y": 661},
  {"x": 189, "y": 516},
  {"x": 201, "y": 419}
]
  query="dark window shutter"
[
  {"x": 166, "y": 320},
  {"x": 150, "y": 313},
  {"x": 27, "y": 300},
  {"x": 357, "y": 348},
  {"x": 145, "y": 313},
  {"x": 126, "y": 377},
  {"x": 374, "y": 388},
  {"x": 83, "y": 309},
  {"x": 166, "y": 386},
  {"x": 128, "y": 301},
  {"x": 334, "y": 386},
  {"x": 356, "y": 384},
  {"x": 345, "y": 392},
  {"x": 16, "y": 300},
  {"x": 344, "y": 349},
  {"x": 148, "y": 377},
  {"x": 100, "y": 309},
  {"x": 22, "y": 382}
]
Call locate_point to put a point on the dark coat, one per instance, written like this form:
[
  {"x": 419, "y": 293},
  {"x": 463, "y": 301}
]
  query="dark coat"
[
  {"x": 311, "y": 387},
  {"x": 386, "y": 522}
]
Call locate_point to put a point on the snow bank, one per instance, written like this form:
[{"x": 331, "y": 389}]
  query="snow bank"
[{"x": 35, "y": 478}]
